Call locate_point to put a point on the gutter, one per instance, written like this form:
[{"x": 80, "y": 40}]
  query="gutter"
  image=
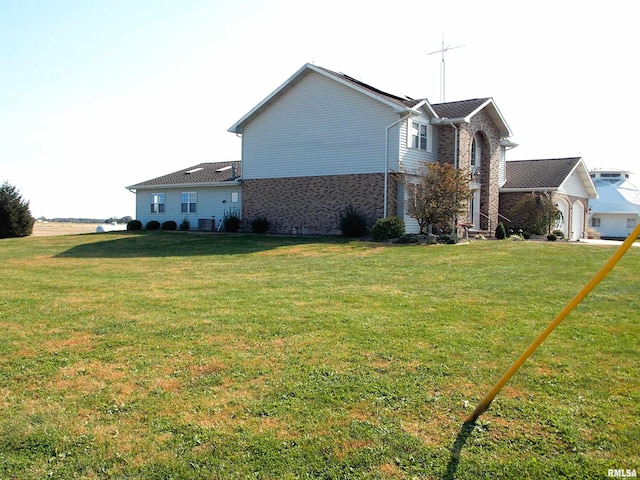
[
  {"x": 386, "y": 159},
  {"x": 451, "y": 122},
  {"x": 134, "y": 188}
]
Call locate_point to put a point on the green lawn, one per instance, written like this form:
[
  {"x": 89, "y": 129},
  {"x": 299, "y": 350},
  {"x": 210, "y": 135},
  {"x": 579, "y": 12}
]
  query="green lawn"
[{"x": 174, "y": 355}]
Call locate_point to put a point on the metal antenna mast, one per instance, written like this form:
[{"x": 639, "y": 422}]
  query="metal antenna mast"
[{"x": 442, "y": 76}]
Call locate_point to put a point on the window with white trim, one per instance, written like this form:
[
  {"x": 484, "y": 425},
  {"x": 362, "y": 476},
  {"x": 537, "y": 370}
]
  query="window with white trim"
[
  {"x": 631, "y": 223},
  {"x": 235, "y": 197},
  {"x": 595, "y": 222},
  {"x": 419, "y": 135},
  {"x": 157, "y": 202},
  {"x": 189, "y": 203}
]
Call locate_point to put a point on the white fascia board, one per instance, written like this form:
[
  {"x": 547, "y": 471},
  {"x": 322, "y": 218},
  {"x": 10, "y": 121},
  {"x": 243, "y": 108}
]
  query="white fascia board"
[
  {"x": 581, "y": 170},
  {"x": 237, "y": 127},
  {"x": 539, "y": 189},
  {"x": 504, "y": 132},
  {"x": 184, "y": 185}
]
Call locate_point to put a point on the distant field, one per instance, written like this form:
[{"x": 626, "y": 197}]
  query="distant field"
[
  {"x": 42, "y": 229},
  {"x": 155, "y": 355}
]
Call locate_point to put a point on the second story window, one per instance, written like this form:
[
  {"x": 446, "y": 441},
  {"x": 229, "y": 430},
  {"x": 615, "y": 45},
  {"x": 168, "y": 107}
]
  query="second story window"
[
  {"x": 157, "y": 203},
  {"x": 419, "y": 135},
  {"x": 189, "y": 203}
]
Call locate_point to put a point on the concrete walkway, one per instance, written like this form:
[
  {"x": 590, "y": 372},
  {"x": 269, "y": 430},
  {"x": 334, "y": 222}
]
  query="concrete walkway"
[{"x": 593, "y": 241}]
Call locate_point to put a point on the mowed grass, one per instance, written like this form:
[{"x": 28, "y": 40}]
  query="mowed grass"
[{"x": 173, "y": 355}]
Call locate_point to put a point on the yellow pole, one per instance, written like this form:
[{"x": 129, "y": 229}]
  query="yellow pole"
[{"x": 486, "y": 401}]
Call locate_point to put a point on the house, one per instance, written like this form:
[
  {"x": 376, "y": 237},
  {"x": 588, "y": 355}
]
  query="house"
[
  {"x": 566, "y": 180},
  {"x": 616, "y": 211},
  {"x": 201, "y": 194},
  {"x": 324, "y": 140}
]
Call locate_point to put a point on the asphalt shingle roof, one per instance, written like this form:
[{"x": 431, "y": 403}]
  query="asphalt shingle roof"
[
  {"x": 403, "y": 101},
  {"x": 215, "y": 172},
  {"x": 538, "y": 174},
  {"x": 458, "y": 109}
]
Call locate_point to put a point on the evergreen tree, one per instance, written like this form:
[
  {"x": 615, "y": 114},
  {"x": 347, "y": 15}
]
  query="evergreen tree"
[{"x": 15, "y": 217}]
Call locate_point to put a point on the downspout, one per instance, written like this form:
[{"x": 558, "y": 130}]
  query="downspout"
[{"x": 386, "y": 160}]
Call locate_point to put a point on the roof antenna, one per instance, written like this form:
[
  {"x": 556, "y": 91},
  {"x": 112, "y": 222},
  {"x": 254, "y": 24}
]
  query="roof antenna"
[{"x": 442, "y": 51}]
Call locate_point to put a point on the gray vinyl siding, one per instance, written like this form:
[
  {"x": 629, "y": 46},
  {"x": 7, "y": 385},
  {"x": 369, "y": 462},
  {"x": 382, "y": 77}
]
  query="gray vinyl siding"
[
  {"x": 574, "y": 186},
  {"x": 411, "y": 158},
  {"x": 212, "y": 202},
  {"x": 319, "y": 127}
]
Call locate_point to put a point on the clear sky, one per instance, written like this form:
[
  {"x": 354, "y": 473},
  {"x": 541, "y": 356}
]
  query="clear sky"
[{"x": 100, "y": 94}]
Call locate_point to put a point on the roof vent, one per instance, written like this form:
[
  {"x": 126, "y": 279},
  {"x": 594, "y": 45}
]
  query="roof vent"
[{"x": 194, "y": 170}]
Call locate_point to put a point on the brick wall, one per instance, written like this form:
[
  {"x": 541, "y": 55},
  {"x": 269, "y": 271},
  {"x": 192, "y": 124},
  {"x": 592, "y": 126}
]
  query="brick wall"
[
  {"x": 312, "y": 204},
  {"x": 484, "y": 127}
]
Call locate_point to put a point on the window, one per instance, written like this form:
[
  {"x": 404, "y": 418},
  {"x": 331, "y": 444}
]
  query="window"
[
  {"x": 419, "y": 135},
  {"x": 595, "y": 222},
  {"x": 475, "y": 153},
  {"x": 189, "y": 202},
  {"x": 157, "y": 203},
  {"x": 631, "y": 223},
  {"x": 234, "y": 197}
]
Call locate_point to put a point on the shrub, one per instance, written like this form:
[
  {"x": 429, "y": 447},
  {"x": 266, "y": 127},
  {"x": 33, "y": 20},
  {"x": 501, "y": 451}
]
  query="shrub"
[
  {"x": 134, "y": 225},
  {"x": 417, "y": 238},
  {"x": 526, "y": 235},
  {"x": 501, "y": 233},
  {"x": 353, "y": 223},
  {"x": 558, "y": 233},
  {"x": 552, "y": 237},
  {"x": 169, "y": 225},
  {"x": 231, "y": 221},
  {"x": 387, "y": 228},
  {"x": 153, "y": 225},
  {"x": 260, "y": 225},
  {"x": 185, "y": 225},
  {"x": 448, "y": 239}
]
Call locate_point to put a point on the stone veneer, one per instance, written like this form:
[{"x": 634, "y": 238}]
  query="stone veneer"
[
  {"x": 484, "y": 127},
  {"x": 311, "y": 205}
]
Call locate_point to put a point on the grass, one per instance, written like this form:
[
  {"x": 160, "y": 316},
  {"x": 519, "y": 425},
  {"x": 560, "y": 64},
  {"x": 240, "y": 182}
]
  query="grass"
[{"x": 172, "y": 355}]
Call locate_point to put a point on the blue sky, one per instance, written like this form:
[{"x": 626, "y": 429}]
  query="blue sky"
[{"x": 97, "y": 95}]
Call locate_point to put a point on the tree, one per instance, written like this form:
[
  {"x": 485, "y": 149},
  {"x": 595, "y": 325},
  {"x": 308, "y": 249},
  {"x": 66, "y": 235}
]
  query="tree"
[
  {"x": 15, "y": 217},
  {"x": 535, "y": 213},
  {"x": 439, "y": 193}
]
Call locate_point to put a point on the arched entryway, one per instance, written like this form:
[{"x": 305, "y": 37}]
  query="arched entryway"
[{"x": 577, "y": 220}]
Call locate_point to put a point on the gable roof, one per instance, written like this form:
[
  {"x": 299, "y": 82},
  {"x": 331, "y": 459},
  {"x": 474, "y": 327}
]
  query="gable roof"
[
  {"x": 457, "y": 112},
  {"x": 463, "y": 110},
  {"x": 201, "y": 174},
  {"x": 401, "y": 104},
  {"x": 545, "y": 174}
]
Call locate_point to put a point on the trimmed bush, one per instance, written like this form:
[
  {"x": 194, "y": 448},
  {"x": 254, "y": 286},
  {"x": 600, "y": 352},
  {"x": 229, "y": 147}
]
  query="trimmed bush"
[
  {"x": 185, "y": 225},
  {"x": 231, "y": 221},
  {"x": 353, "y": 223},
  {"x": 153, "y": 225},
  {"x": 387, "y": 228},
  {"x": 501, "y": 233},
  {"x": 552, "y": 237},
  {"x": 169, "y": 225},
  {"x": 260, "y": 225},
  {"x": 448, "y": 239},
  {"x": 134, "y": 225}
]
